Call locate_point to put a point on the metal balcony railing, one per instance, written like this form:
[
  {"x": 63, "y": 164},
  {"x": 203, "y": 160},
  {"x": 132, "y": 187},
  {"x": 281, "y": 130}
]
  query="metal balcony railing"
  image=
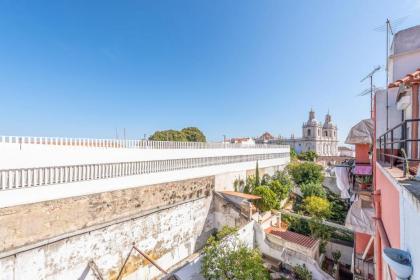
[
  {"x": 395, "y": 145},
  {"x": 41, "y": 176},
  {"x": 363, "y": 269}
]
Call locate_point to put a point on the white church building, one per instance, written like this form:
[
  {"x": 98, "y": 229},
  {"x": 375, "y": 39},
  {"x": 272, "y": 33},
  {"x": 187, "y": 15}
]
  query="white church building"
[{"x": 316, "y": 136}]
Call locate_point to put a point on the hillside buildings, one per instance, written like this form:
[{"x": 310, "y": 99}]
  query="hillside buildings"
[{"x": 322, "y": 138}]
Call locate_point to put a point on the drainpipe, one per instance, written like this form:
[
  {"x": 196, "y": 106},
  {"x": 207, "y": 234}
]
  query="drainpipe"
[{"x": 414, "y": 124}]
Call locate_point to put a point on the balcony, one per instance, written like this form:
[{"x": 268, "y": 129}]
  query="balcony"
[{"x": 398, "y": 148}]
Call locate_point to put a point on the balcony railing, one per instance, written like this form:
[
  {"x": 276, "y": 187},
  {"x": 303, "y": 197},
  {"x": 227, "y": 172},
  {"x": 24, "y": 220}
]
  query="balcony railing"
[
  {"x": 395, "y": 145},
  {"x": 131, "y": 144},
  {"x": 41, "y": 176},
  {"x": 363, "y": 269}
]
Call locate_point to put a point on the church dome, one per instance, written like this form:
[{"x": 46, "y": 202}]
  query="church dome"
[{"x": 312, "y": 121}]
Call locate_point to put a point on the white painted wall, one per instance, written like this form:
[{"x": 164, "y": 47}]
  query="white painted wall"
[
  {"x": 410, "y": 228},
  {"x": 42, "y": 193},
  {"x": 32, "y": 155}
]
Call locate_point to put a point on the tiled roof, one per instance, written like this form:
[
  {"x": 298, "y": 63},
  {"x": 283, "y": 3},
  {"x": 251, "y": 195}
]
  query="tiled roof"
[
  {"x": 293, "y": 237},
  {"x": 241, "y": 195},
  {"x": 410, "y": 78}
]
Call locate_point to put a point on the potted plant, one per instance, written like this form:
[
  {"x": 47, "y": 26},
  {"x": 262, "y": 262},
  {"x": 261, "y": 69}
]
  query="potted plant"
[{"x": 364, "y": 181}]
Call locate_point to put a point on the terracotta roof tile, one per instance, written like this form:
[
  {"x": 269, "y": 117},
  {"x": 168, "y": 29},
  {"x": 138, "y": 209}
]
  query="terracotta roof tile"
[{"x": 293, "y": 237}]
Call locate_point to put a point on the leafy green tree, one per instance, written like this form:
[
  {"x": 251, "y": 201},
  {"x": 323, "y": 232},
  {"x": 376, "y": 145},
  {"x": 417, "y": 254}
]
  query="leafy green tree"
[
  {"x": 284, "y": 178},
  {"x": 282, "y": 191},
  {"x": 339, "y": 208},
  {"x": 306, "y": 172},
  {"x": 308, "y": 156},
  {"x": 193, "y": 134},
  {"x": 268, "y": 199},
  {"x": 317, "y": 206},
  {"x": 302, "y": 273},
  {"x": 225, "y": 257},
  {"x": 312, "y": 189},
  {"x": 168, "y": 135}
]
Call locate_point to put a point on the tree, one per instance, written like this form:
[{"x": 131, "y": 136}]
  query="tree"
[
  {"x": 282, "y": 191},
  {"x": 193, "y": 134},
  {"x": 225, "y": 257},
  {"x": 302, "y": 273},
  {"x": 257, "y": 175},
  {"x": 188, "y": 134},
  {"x": 305, "y": 172},
  {"x": 308, "y": 156},
  {"x": 284, "y": 178},
  {"x": 168, "y": 135},
  {"x": 268, "y": 199},
  {"x": 317, "y": 206},
  {"x": 293, "y": 154},
  {"x": 312, "y": 189}
]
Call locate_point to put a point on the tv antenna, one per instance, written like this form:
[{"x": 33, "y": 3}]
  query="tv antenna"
[
  {"x": 366, "y": 91},
  {"x": 389, "y": 33}
]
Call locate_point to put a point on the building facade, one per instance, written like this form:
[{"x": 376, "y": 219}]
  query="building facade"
[{"x": 322, "y": 138}]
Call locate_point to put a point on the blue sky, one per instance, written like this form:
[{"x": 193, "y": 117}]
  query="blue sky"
[{"x": 239, "y": 68}]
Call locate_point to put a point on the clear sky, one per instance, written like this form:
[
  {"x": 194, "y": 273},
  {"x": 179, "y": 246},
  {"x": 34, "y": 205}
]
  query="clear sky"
[{"x": 233, "y": 67}]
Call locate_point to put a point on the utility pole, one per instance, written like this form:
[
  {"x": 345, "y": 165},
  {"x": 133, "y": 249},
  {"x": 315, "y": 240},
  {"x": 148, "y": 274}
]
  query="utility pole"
[{"x": 388, "y": 30}]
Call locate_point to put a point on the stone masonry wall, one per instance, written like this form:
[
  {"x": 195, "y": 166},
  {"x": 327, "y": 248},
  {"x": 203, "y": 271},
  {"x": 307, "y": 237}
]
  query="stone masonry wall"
[
  {"x": 168, "y": 236},
  {"x": 28, "y": 224}
]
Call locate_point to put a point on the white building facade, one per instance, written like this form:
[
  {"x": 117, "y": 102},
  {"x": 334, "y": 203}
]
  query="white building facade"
[{"x": 322, "y": 138}]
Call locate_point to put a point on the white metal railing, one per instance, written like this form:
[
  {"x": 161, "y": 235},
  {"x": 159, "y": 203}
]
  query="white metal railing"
[
  {"x": 117, "y": 143},
  {"x": 41, "y": 176}
]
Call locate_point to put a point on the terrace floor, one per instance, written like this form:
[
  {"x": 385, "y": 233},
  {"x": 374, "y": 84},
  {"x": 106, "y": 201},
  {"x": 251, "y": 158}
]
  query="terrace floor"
[{"x": 411, "y": 185}]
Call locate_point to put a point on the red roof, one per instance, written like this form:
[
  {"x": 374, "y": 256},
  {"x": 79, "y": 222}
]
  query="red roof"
[
  {"x": 407, "y": 80},
  {"x": 293, "y": 237}
]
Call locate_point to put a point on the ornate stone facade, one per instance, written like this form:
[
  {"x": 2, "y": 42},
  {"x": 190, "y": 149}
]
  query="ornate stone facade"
[{"x": 319, "y": 137}]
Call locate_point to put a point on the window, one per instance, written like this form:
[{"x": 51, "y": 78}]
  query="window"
[
  {"x": 309, "y": 132},
  {"x": 326, "y": 133}
]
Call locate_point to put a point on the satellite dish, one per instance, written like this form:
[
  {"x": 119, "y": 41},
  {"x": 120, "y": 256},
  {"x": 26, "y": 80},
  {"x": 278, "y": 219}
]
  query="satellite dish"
[{"x": 399, "y": 261}]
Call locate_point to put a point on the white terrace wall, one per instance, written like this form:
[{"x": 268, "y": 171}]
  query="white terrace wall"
[{"x": 33, "y": 173}]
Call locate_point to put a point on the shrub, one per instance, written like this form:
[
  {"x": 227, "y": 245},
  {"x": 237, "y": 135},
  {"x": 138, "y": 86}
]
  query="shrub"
[
  {"x": 284, "y": 178},
  {"x": 306, "y": 172},
  {"x": 281, "y": 190},
  {"x": 336, "y": 256},
  {"x": 268, "y": 199},
  {"x": 250, "y": 184},
  {"x": 312, "y": 189},
  {"x": 317, "y": 206},
  {"x": 321, "y": 231},
  {"x": 225, "y": 257},
  {"x": 302, "y": 273}
]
